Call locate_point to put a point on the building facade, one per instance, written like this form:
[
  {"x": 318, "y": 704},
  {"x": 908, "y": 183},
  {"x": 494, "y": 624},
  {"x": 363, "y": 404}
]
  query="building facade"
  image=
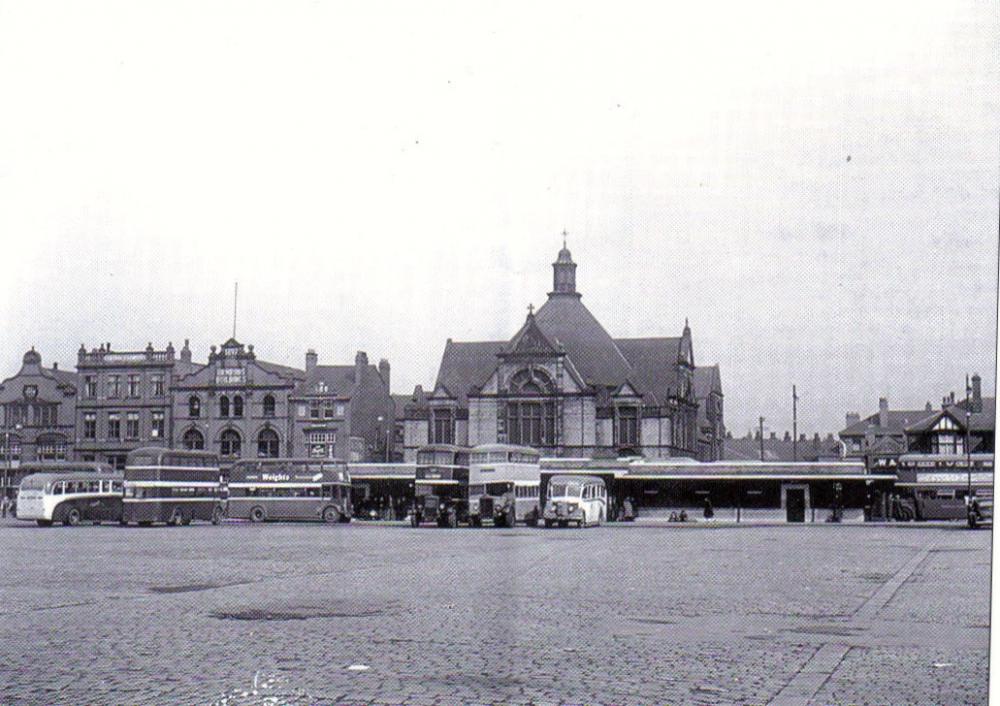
[
  {"x": 343, "y": 411},
  {"x": 711, "y": 427},
  {"x": 39, "y": 412},
  {"x": 124, "y": 400},
  {"x": 944, "y": 433},
  {"x": 235, "y": 405},
  {"x": 563, "y": 385}
]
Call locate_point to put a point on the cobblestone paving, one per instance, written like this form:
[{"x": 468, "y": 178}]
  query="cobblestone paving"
[{"x": 357, "y": 614}]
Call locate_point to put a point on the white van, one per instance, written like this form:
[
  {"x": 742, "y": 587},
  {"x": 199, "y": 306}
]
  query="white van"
[{"x": 579, "y": 499}]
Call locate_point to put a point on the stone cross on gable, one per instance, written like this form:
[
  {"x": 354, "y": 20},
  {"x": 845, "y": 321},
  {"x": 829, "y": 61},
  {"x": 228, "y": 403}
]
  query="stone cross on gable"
[{"x": 531, "y": 309}]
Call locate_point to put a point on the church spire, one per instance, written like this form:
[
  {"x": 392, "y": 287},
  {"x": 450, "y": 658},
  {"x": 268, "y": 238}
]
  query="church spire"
[{"x": 564, "y": 272}]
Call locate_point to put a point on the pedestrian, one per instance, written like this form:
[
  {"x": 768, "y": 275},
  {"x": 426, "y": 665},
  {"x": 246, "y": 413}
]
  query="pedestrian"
[
  {"x": 709, "y": 511},
  {"x": 3, "y": 506}
]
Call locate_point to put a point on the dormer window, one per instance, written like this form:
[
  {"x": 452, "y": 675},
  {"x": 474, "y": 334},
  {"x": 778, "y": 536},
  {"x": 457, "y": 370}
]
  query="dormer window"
[{"x": 321, "y": 387}]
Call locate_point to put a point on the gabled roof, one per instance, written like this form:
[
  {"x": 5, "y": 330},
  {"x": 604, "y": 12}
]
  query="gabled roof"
[
  {"x": 984, "y": 420},
  {"x": 654, "y": 366},
  {"x": 531, "y": 340},
  {"x": 566, "y": 321},
  {"x": 466, "y": 364},
  {"x": 896, "y": 422},
  {"x": 707, "y": 379},
  {"x": 339, "y": 381}
]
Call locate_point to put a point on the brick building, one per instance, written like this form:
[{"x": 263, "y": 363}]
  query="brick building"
[
  {"x": 38, "y": 413},
  {"x": 235, "y": 405},
  {"x": 343, "y": 411},
  {"x": 124, "y": 400},
  {"x": 563, "y": 385}
]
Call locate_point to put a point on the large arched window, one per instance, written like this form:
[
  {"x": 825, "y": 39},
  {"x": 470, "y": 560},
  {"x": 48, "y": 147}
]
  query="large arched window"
[
  {"x": 268, "y": 405},
  {"x": 230, "y": 443},
  {"x": 237, "y": 406},
  {"x": 267, "y": 444},
  {"x": 193, "y": 440},
  {"x": 194, "y": 407},
  {"x": 532, "y": 381},
  {"x": 223, "y": 406}
]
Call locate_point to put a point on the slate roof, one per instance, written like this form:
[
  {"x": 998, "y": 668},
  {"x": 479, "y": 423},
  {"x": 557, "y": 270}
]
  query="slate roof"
[
  {"x": 654, "y": 366},
  {"x": 744, "y": 449},
  {"x": 707, "y": 379},
  {"x": 466, "y": 364},
  {"x": 566, "y": 321},
  {"x": 984, "y": 420},
  {"x": 897, "y": 422},
  {"x": 283, "y": 370},
  {"x": 339, "y": 380}
]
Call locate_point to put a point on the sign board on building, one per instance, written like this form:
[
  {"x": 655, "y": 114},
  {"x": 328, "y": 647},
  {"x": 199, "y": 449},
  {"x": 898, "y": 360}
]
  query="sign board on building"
[
  {"x": 955, "y": 478},
  {"x": 230, "y": 376}
]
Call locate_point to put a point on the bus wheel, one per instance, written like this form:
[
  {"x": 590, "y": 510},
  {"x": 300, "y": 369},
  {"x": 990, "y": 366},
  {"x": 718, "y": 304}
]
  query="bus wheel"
[
  {"x": 564, "y": 523},
  {"x": 185, "y": 520},
  {"x": 72, "y": 517},
  {"x": 548, "y": 523},
  {"x": 217, "y": 515},
  {"x": 44, "y": 523},
  {"x": 331, "y": 514},
  {"x": 257, "y": 514}
]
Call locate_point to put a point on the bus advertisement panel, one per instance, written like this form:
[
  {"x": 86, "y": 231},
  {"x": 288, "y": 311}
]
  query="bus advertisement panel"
[
  {"x": 70, "y": 497},
  {"x": 289, "y": 489},
  {"x": 171, "y": 486},
  {"x": 441, "y": 486},
  {"x": 504, "y": 485}
]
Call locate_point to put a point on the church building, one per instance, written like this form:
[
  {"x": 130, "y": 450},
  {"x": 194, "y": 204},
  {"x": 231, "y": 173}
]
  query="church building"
[{"x": 564, "y": 386}]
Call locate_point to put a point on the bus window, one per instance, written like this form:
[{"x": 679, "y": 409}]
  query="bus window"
[{"x": 57, "y": 488}]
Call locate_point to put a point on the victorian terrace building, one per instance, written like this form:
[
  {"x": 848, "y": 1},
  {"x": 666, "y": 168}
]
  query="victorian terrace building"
[
  {"x": 343, "y": 411},
  {"x": 564, "y": 386},
  {"x": 38, "y": 413},
  {"x": 235, "y": 405},
  {"x": 124, "y": 400}
]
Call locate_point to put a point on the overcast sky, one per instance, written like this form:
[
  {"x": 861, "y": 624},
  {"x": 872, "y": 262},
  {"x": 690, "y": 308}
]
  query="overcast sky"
[{"x": 814, "y": 186}]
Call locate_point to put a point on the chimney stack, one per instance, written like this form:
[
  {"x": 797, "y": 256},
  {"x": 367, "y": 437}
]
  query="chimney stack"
[
  {"x": 883, "y": 412},
  {"x": 928, "y": 407},
  {"x": 311, "y": 360},
  {"x": 977, "y": 393},
  {"x": 383, "y": 370},
  {"x": 360, "y": 365},
  {"x": 851, "y": 419},
  {"x": 774, "y": 435},
  {"x": 788, "y": 436}
]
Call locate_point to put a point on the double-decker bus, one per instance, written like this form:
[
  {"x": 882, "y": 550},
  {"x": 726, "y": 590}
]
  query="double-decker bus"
[
  {"x": 937, "y": 486},
  {"x": 441, "y": 486},
  {"x": 70, "y": 497},
  {"x": 289, "y": 489},
  {"x": 172, "y": 486},
  {"x": 504, "y": 485}
]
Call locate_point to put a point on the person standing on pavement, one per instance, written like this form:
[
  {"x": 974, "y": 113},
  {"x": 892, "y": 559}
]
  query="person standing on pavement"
[{"x": 709, "y": 510}]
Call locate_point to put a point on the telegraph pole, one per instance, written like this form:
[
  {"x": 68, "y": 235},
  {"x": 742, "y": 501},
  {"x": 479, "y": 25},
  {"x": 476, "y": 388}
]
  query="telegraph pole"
[
  {"x": 795, "y": 425},
  {"x": 968, "y": 439},
  {"x": 761, "y": 438}
]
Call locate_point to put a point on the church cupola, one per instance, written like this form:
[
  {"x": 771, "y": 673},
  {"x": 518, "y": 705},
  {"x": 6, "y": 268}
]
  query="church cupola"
[{"x": 564, "y": 272}]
